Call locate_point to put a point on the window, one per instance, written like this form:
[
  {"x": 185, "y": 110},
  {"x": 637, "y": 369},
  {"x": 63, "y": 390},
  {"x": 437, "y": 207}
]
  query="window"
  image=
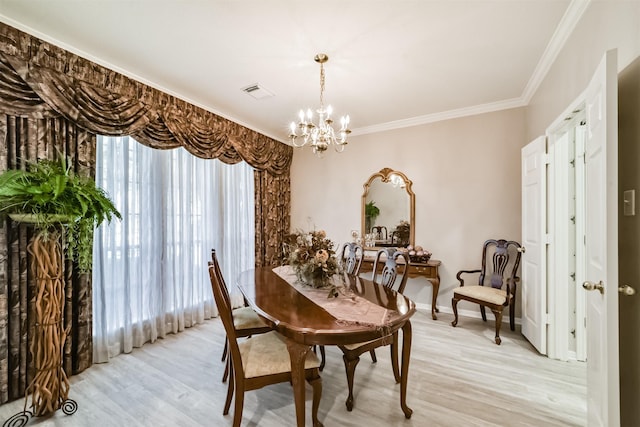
[{"x": 150, "y": 269}]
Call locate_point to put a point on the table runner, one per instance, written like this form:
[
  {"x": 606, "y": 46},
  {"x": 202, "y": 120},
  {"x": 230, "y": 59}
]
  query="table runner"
[{"x": 347, "y": 307}]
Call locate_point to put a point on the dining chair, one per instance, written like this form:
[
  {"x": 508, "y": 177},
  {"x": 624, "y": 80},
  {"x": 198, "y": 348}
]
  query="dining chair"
[
  {"x": 387, "y": 277},
  {"x": 260, "y": 360},
  {"x": 351, "y": 256},
  {"x": 245, "y": 320},
  {"x": 497, "y": 281}
]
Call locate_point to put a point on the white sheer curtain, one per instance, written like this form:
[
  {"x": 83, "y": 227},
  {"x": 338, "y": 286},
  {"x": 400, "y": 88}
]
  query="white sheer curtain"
[{"x": 150, "y": 273}]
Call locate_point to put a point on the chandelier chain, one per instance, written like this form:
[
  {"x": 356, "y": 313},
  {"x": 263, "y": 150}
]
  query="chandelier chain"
[{"x": 322, "y": 86}]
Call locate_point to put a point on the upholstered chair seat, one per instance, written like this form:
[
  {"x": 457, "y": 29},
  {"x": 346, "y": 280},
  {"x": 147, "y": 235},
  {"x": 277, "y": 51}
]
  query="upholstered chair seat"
[
  {"x": 484, "y": 293},
  {"x": 267, "y": 354},
  {"x": 357, "y": 345},
  {"x": 247, "y": 318}
]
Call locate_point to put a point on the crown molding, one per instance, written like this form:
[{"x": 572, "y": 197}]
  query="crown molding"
[
  {"x": 565, "y": 28},
  {"x": 438, "y": 117}
]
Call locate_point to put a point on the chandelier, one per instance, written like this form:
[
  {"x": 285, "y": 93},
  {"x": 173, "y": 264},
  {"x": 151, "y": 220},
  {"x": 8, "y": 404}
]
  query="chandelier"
[{"x": 320, "y": 135}]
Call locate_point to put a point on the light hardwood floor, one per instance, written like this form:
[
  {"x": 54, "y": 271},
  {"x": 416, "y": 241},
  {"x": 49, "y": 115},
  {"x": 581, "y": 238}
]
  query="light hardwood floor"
[{"x": 458, "y": 377}]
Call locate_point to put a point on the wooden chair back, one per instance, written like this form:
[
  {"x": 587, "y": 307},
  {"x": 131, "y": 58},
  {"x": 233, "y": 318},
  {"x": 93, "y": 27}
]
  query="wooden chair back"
[
  {"x": 500, "y": 262},
  {"x": 223, "y": 285},
  {"x": 380, "y": 231},
  {"x": 351, "y": 258},
  {"x": 223, "y": 302},
  {"x": 389, "y": 271}
]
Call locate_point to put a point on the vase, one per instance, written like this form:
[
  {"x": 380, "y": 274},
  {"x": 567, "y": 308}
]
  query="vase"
[{"x": 313, "y": 278}]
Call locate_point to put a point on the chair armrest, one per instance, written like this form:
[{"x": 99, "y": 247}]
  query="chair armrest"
[
  {"x": 465, "y": 272},
  {"x": 511, "y": 284}
]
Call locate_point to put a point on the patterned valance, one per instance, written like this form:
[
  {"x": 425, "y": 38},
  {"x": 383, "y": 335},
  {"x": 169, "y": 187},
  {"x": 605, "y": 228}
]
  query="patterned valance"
[{"x": 39, "y": 79}]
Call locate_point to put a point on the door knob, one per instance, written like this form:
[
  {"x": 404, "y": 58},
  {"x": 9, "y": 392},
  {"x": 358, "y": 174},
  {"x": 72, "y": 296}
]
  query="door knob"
[
  {"x": 590, "y": 286},
  {"x": 627, "y": 290},
  {"x": 522, "y": 249}
]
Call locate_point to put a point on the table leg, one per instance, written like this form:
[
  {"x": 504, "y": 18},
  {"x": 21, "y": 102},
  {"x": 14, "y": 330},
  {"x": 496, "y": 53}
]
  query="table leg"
[
  {"x": 298, "y": 354},
  {"x": 406, "y": 355},
  {"x": 435, "y": 287}
]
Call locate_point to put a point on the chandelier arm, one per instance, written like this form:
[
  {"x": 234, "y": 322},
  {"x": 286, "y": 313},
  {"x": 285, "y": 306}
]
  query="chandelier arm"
[{"x": 293, "y": 141}]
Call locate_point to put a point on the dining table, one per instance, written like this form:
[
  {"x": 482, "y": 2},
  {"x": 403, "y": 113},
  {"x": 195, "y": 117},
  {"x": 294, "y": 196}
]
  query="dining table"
[{"x": 362, "y": 311}]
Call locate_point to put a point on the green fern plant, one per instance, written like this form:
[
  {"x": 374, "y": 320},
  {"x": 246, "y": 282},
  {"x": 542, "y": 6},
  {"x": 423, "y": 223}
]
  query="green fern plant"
[
  {"x": 371, "y": 210},
  {"x": 50, "y": 194}
]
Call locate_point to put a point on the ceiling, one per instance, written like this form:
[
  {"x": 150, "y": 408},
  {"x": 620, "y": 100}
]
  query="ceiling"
[{"x": 392, "y": 64}]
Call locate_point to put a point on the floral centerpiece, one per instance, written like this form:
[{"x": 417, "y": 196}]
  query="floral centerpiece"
[{"x": 312, "y": 257}]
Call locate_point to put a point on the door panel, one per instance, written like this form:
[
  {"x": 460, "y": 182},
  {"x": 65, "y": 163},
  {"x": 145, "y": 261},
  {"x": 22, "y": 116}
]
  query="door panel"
[
  {"x": 534, "y": 284},
  {"x": 601, "y": 245}
]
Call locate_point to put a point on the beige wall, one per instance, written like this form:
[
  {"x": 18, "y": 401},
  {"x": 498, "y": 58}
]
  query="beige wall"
[
  {"x": 606, "y": 24},
  {"x": 466, "y": 172},
  {"x": 466, "y": 177}
]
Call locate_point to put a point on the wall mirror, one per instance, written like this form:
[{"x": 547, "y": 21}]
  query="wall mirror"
[{"x": 388, "y": 209}]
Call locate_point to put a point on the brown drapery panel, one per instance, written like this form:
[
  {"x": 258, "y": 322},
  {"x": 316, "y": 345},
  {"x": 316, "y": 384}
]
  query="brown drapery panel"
[
  {"x": 52, "y": 101},
  {"x": 273, "y": 204}
]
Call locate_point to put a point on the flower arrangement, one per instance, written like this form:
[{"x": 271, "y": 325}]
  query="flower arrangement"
[
  {"x": 312, "y": 257},
  {"x": 401, "y": 234}
]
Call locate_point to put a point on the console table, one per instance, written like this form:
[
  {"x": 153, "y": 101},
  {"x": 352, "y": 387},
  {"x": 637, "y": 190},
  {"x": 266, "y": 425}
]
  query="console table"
[{"x": 427, "y": 269}]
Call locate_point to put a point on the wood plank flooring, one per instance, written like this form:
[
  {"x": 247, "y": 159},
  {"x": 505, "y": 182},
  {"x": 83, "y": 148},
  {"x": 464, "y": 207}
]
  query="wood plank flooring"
[{"x": 458, "y": 377}]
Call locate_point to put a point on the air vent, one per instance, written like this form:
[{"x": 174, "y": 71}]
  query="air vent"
[{"x": 257, "y": 91}]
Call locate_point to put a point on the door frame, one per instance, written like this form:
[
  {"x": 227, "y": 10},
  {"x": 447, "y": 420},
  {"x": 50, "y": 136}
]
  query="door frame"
[{"x": 559, "y": 246}]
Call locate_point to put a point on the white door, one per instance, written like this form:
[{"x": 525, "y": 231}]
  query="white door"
[
  {"x": 533, "y": 270},
  {"x": 601, "y": 245}
]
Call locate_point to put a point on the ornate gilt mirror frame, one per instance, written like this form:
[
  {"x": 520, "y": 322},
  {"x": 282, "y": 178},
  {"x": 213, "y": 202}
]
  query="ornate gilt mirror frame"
[{"x": 392, "y": 177}]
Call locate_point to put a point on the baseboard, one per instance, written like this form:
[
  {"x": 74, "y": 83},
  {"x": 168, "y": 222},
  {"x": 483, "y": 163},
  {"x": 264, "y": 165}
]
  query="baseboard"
[{"x": 466, "y": 313}]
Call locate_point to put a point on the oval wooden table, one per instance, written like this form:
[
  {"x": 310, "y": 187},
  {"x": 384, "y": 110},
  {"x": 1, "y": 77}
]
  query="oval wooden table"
[{"x": 304, "y": 323}]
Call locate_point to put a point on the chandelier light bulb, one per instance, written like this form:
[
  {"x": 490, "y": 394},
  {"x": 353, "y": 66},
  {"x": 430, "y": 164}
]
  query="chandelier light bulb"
[{"x": 321, "y": 135}]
